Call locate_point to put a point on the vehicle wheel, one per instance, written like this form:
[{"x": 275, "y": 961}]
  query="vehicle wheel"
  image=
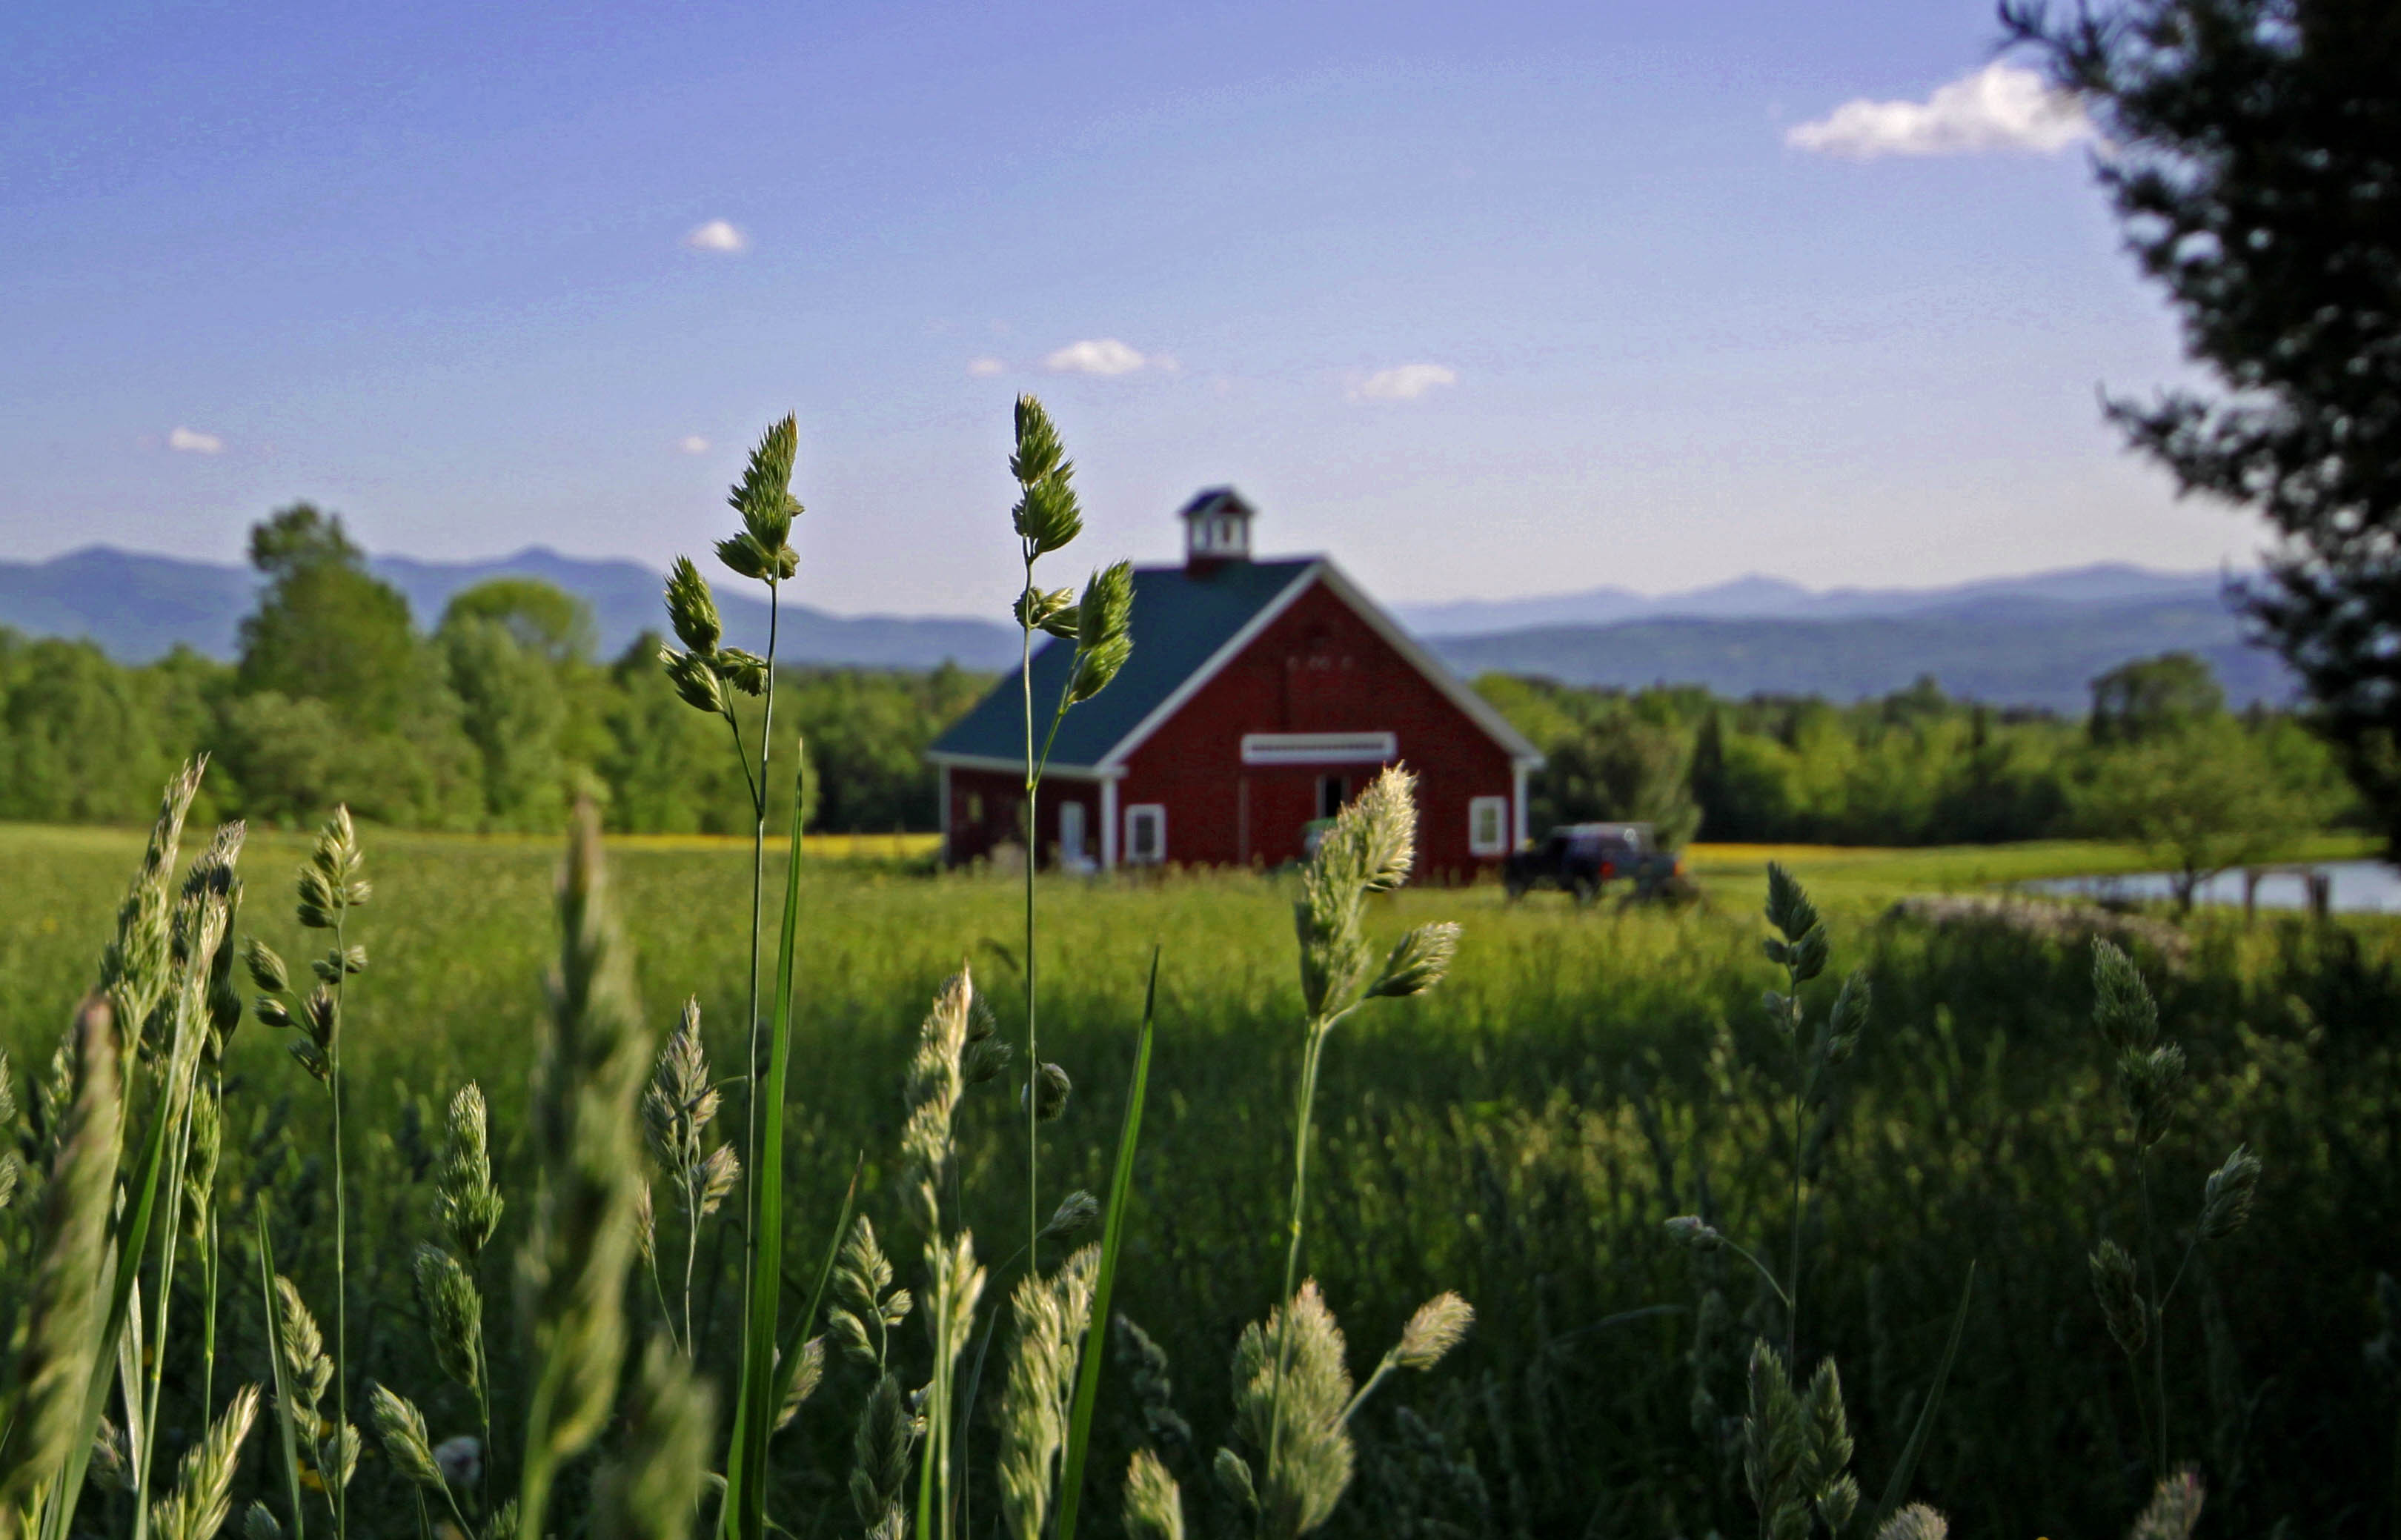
[{"x": 1585, "y": 890}]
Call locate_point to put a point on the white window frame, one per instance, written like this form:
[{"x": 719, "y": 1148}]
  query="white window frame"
[
  {"x": 1136, "y": 813},
  {"x": 1497, "y": 809}
]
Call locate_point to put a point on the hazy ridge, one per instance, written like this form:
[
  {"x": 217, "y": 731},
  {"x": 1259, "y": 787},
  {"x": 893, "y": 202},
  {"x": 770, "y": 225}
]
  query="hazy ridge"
[{"x": 2032, "y": 640}]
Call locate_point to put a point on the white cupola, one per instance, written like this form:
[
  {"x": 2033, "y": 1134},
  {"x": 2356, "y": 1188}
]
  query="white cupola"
[{"x": 1216, "y": 530}]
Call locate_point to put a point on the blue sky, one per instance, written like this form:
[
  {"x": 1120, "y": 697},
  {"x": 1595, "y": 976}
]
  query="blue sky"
[{"x": 1485, "y": 300}]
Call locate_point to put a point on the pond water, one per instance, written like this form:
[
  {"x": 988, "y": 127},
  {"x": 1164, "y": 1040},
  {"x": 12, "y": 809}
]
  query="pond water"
[{"x": 2364, "y": 886}]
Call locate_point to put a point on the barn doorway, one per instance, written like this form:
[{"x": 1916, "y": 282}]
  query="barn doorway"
[{"x": 1332, "y": 792}]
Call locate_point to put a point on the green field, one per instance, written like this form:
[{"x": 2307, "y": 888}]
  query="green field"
[{"x": 1518, "y": 1134}]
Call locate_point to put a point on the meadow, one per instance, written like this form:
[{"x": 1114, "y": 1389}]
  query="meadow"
[{"x": 1520, "y": 1133}]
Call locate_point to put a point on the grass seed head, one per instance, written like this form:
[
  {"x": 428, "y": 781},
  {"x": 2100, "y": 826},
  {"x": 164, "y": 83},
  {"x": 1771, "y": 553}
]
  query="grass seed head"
[
  {"x": 1039, "y": 451},
  {"x": 2150, "y": 1080},
  {"x": 1050, "y": 1089},
  {"x": 693, "y": 680},
  {"x": 763, "y": 496},
  {"x": 1047, "y": 609},
  {"x": 745, "y": 671},
  {"x": 2227, "y": 1196},
  {"x": 1052, "y": 1315},
  {"x": 1439, "y": 1325},
  {"x": 582, "y": 1127},
  {"x": 1915, "y": 1522},
  {"x": 400, "y": 1427},
  {"x": 467, "y": 1201},
  {"x": 1103, "y": 630},
  {"x": 258, "y": 1523},
  {"x": 880, "y": 1448},
  {"x": 805, "y": 1379},
  {"x": 58, "y": 1334},
  {"x": 1695, "y": 1231},
  {"x": 1419, "y": 961},
  {"x": 1154, "y": 1504},
  {"x": 2173, "y": 1510},
  {"x": 1775, "y": 1447},
  {"x": 203, "y": 1497},
  {"x": 2115, "y": 1286},
  {"x": 454, "y": 1315},
  {"x": 1313, "y": 1458},
  {"x": 1788, "y": 908},
  {"x": 133, "y": 966},
  {"x": 1073, "y": 1217},
  {"x": 265, "y": 966},
  {"x": 2123, "y": 1006},
  {"x": 692, "y": 609}
]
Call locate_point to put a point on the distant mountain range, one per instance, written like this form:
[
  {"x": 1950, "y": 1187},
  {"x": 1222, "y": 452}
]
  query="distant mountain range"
[
  {"x": 139, "y": 607},
  {"x": 2034, "y": 641},
  {"x": 2007, "y": 651},
  {"x": 1757, "y": 598}
]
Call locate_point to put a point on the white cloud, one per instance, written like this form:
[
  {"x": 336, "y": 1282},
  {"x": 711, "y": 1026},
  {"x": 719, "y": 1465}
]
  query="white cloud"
[
  {"x": 984, "y": 368},
  {"x": 718, "y": 236},
  {"x": 195, "y": 443},
  {"x": 692, "y": 443},
  {"x": 2000, "y": 108},
  {"x": 1102, "y": 355},
  {"x": 1403, "y": 382}
]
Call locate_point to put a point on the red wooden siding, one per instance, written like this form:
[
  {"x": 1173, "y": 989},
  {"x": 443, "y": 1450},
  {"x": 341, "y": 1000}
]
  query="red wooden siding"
[{"x": 1318, "y": 668}]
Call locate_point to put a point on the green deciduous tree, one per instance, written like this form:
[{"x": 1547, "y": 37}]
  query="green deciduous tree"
[
  {"x": 2215, "y": 794},
  {"x": 325, "y": 629}
]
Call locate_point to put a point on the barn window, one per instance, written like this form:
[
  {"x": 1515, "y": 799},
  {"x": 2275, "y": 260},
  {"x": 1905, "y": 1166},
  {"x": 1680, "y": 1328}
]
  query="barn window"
[
  {"x": 975, "y": 807},
  {"x": 1488, "y": 826},
  {"x": 1145, "y": 833},
  {"x": 1331, "y": 791}
]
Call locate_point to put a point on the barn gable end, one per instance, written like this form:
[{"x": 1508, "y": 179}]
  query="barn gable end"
[{"x": 1261, "y": 695}]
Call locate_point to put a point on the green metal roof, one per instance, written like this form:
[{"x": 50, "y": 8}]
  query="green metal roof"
[{"x": 1180, "y": 622}]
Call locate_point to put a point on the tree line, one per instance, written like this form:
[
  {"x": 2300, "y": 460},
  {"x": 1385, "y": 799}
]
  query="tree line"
[
  {"x": 2159, "y": 760},
  {"x": 497, "y": 717},
  {"x": 493, "y": 720}
]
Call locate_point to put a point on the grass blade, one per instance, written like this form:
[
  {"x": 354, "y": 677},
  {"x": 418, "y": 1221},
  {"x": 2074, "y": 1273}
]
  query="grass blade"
[
  {"x": 1088, "y": 1370},
  {"x": 275, "y": 1357},
  {"x": 754, "y": 1415},
  {"x": 787, "y": 1365},
  {"x": 1898, "y": 1487}
]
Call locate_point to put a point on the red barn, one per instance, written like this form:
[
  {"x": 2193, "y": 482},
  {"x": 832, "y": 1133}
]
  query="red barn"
[{"x": 1261, "y": 697}]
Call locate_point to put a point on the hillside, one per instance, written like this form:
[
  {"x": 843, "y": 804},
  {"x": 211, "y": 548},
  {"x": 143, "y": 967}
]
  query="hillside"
[
  {"x": 139, "y": 607},
  {"x": 2007, "y": 651}
]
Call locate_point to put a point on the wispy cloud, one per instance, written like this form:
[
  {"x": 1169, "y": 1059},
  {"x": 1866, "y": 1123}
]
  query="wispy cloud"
[
  {"x": 1403, "y": 382},
  {"x": 692, "y": 443},
  {"x": 193, "y": 442},
  {"x": 984, "y": 368},
  {"x": 2000, "y": 108},
  {"x": 718, "y": 236},
  {"x": 1101, "y": 355}
]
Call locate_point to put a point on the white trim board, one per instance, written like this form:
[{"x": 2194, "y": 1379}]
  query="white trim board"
[{"x": 1269, "y": 749}]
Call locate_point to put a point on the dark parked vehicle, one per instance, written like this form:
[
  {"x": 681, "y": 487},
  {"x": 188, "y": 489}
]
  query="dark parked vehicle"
[{"x": 1581, "y": 858}]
